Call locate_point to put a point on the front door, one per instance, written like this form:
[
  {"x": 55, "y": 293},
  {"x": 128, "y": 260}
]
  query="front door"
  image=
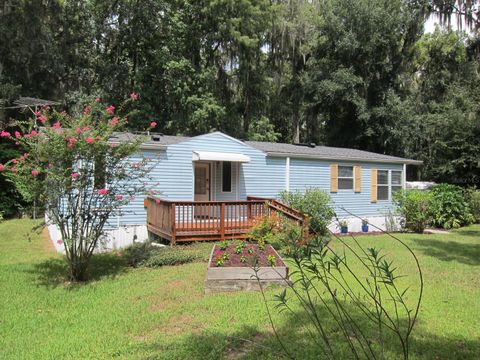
[{"x": 202, "y": 182}]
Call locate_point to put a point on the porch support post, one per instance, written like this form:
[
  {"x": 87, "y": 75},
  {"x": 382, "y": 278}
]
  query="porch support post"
[
  {"x": 222, "y": 221},
  {"x": 173, "y": 217}
]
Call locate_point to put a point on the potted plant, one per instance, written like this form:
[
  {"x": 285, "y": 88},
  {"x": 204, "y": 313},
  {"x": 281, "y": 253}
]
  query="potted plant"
[
  {"x": 364, "y": 225},
  {"x": 343, "y": 226}
]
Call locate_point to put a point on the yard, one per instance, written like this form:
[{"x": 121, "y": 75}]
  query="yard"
[{"x": 162, "y": 313}]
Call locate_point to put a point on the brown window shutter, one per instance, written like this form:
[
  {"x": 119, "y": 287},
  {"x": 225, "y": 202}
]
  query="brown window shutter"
[
  {"x": 334, "y": 178},
  {"x": 373, "y": 181},
  {"x": 357, "y": 173}
]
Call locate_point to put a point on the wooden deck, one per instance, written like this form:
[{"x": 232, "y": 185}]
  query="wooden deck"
[{"x": 181, "y": 221}]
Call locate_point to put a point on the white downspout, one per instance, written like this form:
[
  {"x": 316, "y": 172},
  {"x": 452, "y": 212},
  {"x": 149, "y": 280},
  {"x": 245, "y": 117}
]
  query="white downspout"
[
  {"x": 287, "y": 173},
  {"x": 404, "y": 180}
]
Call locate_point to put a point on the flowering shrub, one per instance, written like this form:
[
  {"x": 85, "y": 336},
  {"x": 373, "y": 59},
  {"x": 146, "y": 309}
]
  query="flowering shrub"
[{"x": 72, "y": 166}]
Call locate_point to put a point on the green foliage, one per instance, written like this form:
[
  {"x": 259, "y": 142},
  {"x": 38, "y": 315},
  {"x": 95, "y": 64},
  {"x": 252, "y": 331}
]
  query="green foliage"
[
  {"x": 168, "y": 256},
  {"x": 146, "y": 255},
  {"x": 449, "y": 208},
  {"x": 413, "y": 206},
  {"x": 315, "y": 203},
  {"x": 473, "y": 196}
]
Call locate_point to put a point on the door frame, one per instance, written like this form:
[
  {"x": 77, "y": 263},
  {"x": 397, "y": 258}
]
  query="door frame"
[{"x": 208, "y": 179}]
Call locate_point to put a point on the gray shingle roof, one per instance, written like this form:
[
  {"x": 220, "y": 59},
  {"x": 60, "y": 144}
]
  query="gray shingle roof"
[{"x": 282, "y": 149}]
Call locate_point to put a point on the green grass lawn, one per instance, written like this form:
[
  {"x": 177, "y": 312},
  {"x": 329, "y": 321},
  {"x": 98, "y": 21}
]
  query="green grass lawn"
[{"x": 162, "y": 313}]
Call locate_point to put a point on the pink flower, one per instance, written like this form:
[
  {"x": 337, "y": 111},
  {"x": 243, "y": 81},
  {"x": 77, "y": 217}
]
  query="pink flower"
[
  {"x": 74, "y": 175},
  {"x": 57, "y": 125},
  {"x": 27, "y": 136},
  {"x": 114, "y": 121},
  {"x": 87, "y": 110},
  {"x": 34, "y": 172},
  {"x": 2, "y": 167},
  {"x": 86, "y": 128},
  {"x": 97, "y": 99},
  {"x": 103, "y": 191},
  {"x": 5, "y": 134},
  {"x": 119, "y": 197},
  {"x": 17, "y": 143},
  {"x": 14, "y": 169},
  {"x": 59, "y": 242},
  {"x": 22, "y": 158},
  {"x": 111, "y": 110},
  {"x": 14, "y": 161},
  {"x": 134, "y": 96},
  {"x": 157, "y": 200},
  {"x": 78, "y": 130},
  {"x": 153, "y": 124},
  {"x": 72, "y": 140},
  {"x": 17, "y": 135},
  {"x": 50, "y": 165},
  {"x": 42, "y": 118},
  {"x": 89, "y": 140},
  {"x": 32, "y": 133}
]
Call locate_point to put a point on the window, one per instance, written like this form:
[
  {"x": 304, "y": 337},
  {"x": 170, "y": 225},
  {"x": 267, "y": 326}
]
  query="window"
[
  {"x": 99, "y": 175},
  {"x": 227, "y": 176},
  {"x": 382, "y": 185},
  {"x": 345, "y": 177},
  {"x": 386, "y": 185},
  {"x": 396, "y": 181}
]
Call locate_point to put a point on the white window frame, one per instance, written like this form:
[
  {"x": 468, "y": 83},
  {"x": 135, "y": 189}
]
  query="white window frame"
[
  {"x": 389, "y": 183},
  {"x": 346, "y": 177}
]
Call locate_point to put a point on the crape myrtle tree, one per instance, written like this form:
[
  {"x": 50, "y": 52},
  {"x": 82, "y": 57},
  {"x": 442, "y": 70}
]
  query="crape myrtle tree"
[{"x": 72, "y": 166}]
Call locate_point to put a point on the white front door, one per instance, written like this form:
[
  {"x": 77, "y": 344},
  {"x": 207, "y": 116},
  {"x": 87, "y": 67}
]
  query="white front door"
[{"x": 202, "y": 182}]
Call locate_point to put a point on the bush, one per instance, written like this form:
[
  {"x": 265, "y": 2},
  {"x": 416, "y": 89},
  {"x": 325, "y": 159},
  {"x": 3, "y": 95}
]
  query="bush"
[
  {"x": 473, "y": 197},
  {"x": 315, "y": 203},
  {"x": 412, "y": 206},
  {"x": 169, "y": 256},
  {"x": 146, "y": 255},
  {"x": 449, "y": 208}
]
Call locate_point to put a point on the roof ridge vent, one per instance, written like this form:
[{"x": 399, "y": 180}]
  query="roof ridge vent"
[{"x": 310, "y": 145}]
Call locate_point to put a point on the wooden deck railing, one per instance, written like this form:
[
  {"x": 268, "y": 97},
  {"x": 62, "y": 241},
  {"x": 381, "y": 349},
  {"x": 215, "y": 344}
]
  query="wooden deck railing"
[{"x": 210, "y": 220}]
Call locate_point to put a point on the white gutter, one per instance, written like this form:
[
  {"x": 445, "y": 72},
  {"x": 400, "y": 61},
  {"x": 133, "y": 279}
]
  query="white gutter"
[
  {"x": 287, "y": 173},
  {"x": 322, "y": 157}
]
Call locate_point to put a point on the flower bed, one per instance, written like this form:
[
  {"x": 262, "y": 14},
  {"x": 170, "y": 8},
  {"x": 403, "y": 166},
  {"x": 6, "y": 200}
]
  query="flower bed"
[
  {"x": 248, "y": 255},
  {"x": 244, "y": 266}
]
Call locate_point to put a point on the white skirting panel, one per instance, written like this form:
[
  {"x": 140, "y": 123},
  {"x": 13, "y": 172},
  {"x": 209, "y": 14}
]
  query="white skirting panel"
[
  {"x": 385, "y": 223},
  {"x": 118, "y": 238}
]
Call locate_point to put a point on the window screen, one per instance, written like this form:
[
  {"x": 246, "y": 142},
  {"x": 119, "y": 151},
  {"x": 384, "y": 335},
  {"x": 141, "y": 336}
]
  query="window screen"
[
  {"x": 345, "y": 177},
  {"x": 396, "y": 181},
  {"x": 382, "y": 185},
  {"x": 227, "y": 177}
]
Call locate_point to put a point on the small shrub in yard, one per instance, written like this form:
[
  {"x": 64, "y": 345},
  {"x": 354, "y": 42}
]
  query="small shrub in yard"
[
  {"x": 146, "y": 255},
  {"x": 412, "y": 206},
  {"x": 315, "y": 203},
  {"x": 449, "y": 209},
  {"x": 169, "y": 256},
  {"x": 473, "y": 196}
]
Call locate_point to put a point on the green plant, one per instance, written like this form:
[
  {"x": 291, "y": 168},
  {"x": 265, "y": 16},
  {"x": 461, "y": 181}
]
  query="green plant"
[
  {"x": 261, "y": 244},
  {"x": 316, "y": 204},
  {"x": 412, "y": 206},
  {"x": 224, "y": 245},
  {"x": 239, "y": 247},
  {"x": 449, "y": 208},
  {"x": 364, "y": 222},
  {"x": 250, "y": 249},
  {"x": 220, "y": 261},
  {"x": 473, "y": 196},
  {"x": 272, "y": 260},
  {"x": 168, "y": 256},
  {"x": 137, "y": 253},
  {"x": 243, "y": 259},
  {"x": 343, "y": 223}
]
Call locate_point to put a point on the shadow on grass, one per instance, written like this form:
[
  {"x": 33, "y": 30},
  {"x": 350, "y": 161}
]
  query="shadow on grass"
[
  {"x": 251, "y": 343},
  {"x": 465, "y": 232},
  {"x": 450, "y": 250},
  {"x": 54, "y": 272}
]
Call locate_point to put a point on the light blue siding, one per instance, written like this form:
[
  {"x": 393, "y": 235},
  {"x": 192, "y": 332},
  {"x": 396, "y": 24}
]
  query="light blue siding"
[
  {"x": 173, "y": 177},
  {"x": 306, "y": 173}
]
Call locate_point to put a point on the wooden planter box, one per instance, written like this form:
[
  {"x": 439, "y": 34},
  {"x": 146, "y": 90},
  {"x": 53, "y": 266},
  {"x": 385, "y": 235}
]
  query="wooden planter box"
[{"x": 228, "y": 278}]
